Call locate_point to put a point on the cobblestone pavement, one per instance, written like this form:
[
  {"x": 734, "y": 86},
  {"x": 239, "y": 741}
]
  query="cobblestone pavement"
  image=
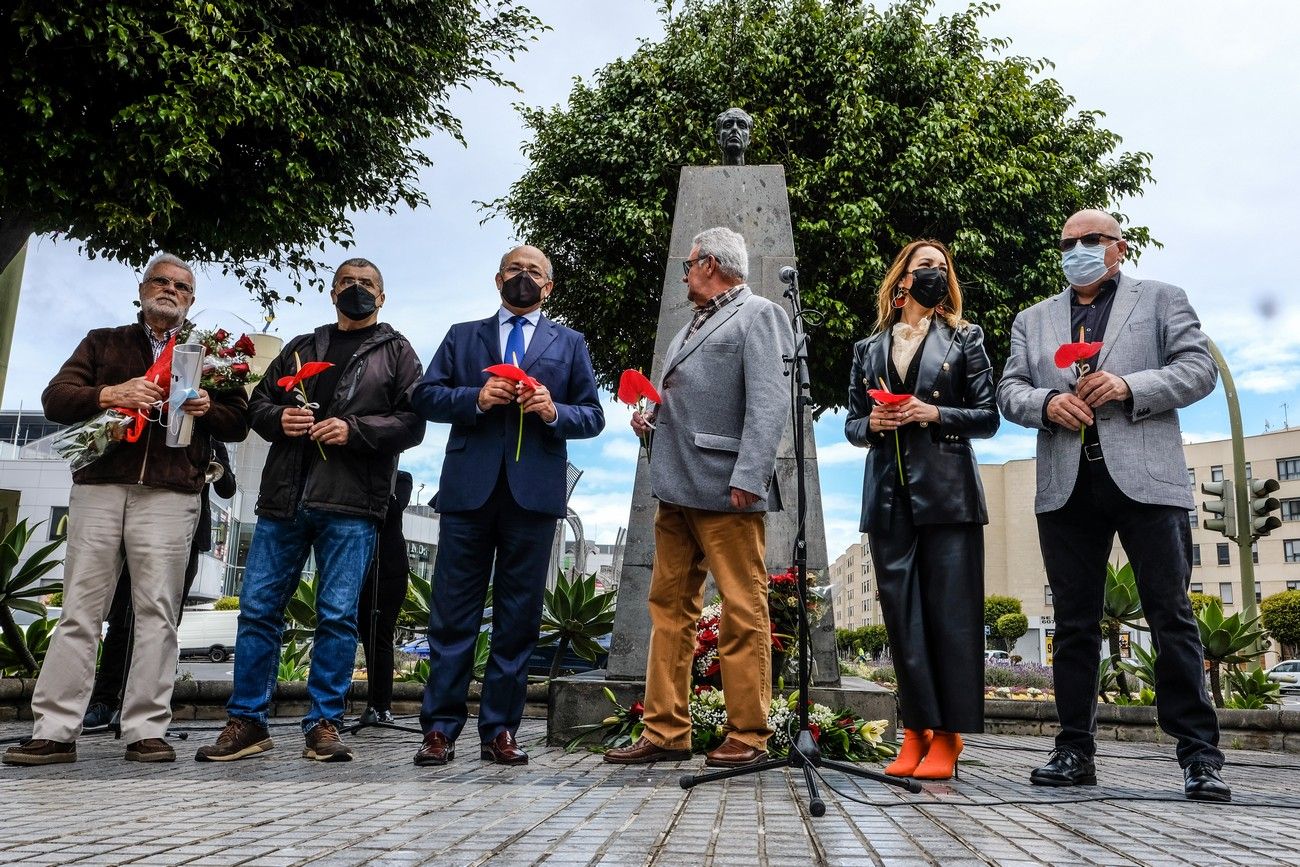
[{"x": 572, "y": 809}]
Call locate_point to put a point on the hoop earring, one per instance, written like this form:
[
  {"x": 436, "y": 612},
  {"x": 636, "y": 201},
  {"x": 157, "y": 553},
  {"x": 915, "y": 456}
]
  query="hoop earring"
[{"x": 900, "y": 300}]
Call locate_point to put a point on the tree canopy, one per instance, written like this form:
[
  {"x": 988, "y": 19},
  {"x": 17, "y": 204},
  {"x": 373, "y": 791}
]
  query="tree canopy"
[
  {"x": 890, "y": 127},
  {"x": 231, "y": 131}
]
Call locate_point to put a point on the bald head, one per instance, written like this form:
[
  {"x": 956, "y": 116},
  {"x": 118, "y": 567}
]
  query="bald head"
[
  {"x": 1091, "y": 220},
  {"x": 530, "y": 253}
]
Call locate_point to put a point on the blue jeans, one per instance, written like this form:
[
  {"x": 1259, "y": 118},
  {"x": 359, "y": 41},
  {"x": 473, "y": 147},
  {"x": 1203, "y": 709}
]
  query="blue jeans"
[{"x": 344, "y": 546}]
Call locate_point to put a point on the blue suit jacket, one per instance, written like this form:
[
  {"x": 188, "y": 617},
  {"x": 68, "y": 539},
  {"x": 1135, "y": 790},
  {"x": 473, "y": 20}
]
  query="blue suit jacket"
[{"x": 481, "y": 442}]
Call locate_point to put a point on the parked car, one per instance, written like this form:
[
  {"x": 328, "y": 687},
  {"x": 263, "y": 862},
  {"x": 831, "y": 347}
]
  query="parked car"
[
  {"x": 997, "y": 656},
  {"x": 419, "y": 647},
  {"x": 1286, "y": 673},
  {"x": 208, "y": 633},
  {"x": 540, "y": 662}
]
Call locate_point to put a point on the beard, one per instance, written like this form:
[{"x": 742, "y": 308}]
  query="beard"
[{"x": 164, "y": 312}]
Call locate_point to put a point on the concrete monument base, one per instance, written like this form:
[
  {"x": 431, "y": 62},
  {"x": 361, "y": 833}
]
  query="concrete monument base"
[{"x": 580, "y": 700}]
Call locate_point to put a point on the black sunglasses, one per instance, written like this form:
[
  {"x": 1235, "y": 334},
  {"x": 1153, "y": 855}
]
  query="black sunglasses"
[
  {"x": 1091, "y": 239},
  {"x": 686, "y": 266}
]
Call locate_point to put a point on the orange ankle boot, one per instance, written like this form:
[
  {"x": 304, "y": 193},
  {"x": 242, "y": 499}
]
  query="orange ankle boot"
[
  {"x": 915, "y": 744},
  {"x": 941, "y": 760}
]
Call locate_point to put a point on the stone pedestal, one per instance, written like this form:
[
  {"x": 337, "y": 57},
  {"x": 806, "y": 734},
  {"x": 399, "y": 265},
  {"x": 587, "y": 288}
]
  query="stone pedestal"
[{"x": 752, "y": 200}]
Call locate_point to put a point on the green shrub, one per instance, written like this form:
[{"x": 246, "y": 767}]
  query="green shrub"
[{"x": 226, "y": 603}]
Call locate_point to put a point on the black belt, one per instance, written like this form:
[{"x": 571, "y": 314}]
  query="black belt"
[{"x": 1092, "y": 451}]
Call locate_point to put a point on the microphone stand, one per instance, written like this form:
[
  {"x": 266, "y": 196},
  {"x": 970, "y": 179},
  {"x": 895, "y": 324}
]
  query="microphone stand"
[{"x": 804, "y": 753}]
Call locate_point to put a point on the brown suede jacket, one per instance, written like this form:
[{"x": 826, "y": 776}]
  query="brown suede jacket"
[{"x": 111, "y": 356}]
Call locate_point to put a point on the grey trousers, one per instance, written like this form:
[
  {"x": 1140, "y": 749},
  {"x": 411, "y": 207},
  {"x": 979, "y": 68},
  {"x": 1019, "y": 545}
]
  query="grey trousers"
[{"x": 153, "y": 527}]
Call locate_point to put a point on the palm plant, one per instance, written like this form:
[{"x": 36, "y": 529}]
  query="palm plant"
[
  {"x": 19, "y": 592},
  {"x": 1121, "y": 607},
  {"x": 1224, "y": 640},
  {"x": 575, "y": 614}
]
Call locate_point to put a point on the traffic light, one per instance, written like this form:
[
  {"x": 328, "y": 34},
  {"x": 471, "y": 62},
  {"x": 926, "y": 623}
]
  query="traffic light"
[
  {"x": 1261, "y": 522},
  {"x": 1223, "y": 510}
]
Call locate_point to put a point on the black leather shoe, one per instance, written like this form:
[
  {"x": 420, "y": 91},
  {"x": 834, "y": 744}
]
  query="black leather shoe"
[
  {"x": 1065, "y": 768},
  {"x": 1201, "y": 782}
]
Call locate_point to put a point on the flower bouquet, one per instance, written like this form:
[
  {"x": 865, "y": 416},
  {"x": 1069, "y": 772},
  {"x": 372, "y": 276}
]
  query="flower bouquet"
[{"x": 225, "y": 363}]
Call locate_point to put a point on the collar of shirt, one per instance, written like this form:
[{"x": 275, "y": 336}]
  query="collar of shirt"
[
  {"x": 1107, "y": 288},
  {"x": 722, "y": 299},
  {"x": 158, "y": 344},
  {"x": 504, "y": 316}
]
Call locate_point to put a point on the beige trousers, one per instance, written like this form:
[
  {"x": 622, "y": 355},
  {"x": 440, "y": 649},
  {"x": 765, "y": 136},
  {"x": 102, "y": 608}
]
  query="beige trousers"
[
  {"x": 689, "y": 543},
  {"x": 153, "y": 528}
]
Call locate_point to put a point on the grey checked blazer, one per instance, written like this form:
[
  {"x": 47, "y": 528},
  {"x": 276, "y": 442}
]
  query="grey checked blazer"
[
  {"x": 726, "y": 402},
  {"x": 1154, "y": 341}
]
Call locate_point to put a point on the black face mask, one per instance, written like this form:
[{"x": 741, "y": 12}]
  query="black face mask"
[
  {"x": 355, "y": 302},
  {"x": 521, "y": 291},
  {"x": 929, "y": 286}
]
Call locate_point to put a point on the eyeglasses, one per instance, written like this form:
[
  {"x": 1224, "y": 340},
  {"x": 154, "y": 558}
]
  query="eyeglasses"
[
  {"x": 363, "y": 282},
  {"x": 686, "y": 266},
  {"x": 533, "y": 271},
  {"x": 1091, "y": 239},
  {"x": 163, "y": 282}
]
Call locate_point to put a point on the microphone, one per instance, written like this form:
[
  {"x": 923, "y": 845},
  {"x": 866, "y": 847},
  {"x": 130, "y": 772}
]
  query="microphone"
[{"x": 788, "y": 274}]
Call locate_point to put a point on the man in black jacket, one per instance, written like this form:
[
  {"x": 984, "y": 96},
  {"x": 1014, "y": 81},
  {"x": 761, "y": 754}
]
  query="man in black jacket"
[{"x": 335, "y": 439}]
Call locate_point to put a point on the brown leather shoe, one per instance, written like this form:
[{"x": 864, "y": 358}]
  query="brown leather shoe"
[
  {"x": 734, "y": 754},
  {"x": 40, "y": 752},
  {"x": 503, "y": 750},
  {"x": 643, "y": 752},
  {"x": 325, "y": 745},
  {"x": 436, "y": 750},
  {"x": 150, "y": 750}
]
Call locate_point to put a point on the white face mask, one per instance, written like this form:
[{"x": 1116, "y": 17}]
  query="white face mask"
[{"x": 1085, "y": 265}]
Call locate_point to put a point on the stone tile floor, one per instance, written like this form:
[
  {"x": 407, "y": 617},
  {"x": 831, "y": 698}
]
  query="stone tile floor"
[{"x": 573, "y": 809}]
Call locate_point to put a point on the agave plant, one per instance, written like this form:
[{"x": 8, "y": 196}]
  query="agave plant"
[
  {"x": 19, "y": 592},
  {"x": 301, "y": 612},
  {"x": 1144, "y": 669},
  {"x": 575, "y": 614},
  {"x": 37, "y": 640},
  {"x": 414, "y": 614},
  {"x": 1224, "y": 640},
  {"x": 1121, "y": 607},
  {"x": 1252, "y": 690},
  {"x": 295, "y": 662}
]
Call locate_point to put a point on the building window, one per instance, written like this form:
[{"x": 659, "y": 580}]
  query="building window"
[
  {"x": 58, "y": 522},
  {"x": 1291, "y": 510},
  {"x": 1293, "y": 585},
  {"x": 1259, "y": 595},
  {"x": 1194, "y": 518},
  {"x": 1249, "y": 475},
  {"x": 1047, "y": 594},
  {"x": 1216, "y": 473},
  {"x": 1254, "y": 552},
  {"x": 1222, "y": 548},
  {"x": 866, "y": 586},
  {"x": 866, "y": 568},
  {"x": 1288, "y": 468},
  {"x": 1196, "y": 555},
  {"x": 1197, "y": 588},
  {"x": 1225, "y": 592},
  {"x": 1191, "y": 477},
  {"x": 1291, "y": 550}
]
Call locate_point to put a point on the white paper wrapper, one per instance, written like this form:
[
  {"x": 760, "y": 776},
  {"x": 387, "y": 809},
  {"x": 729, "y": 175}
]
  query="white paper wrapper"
[{"x": 187, "y": 367}]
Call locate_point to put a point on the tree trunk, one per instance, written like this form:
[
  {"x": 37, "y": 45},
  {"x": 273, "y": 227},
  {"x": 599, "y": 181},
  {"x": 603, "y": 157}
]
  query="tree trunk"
[
  {"x": 14, "y": 638},
  {"x": 560, "y": 649},
  {"x": 1216, "y": 687},
  {"x": 15, "y": 229}
]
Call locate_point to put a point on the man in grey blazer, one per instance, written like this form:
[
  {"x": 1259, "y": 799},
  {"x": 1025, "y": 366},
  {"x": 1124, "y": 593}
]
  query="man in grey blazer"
[
  {"x": 726, "y": 400},
  {"x": 1127, "y": 475}
]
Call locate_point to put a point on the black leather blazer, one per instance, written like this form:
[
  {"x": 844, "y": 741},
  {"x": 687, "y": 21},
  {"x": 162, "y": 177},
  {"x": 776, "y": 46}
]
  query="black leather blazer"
[{"x": 943, "y": 482}]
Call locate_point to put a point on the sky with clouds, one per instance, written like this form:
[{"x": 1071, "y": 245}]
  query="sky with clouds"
[{"x": 1208, "y": 88}]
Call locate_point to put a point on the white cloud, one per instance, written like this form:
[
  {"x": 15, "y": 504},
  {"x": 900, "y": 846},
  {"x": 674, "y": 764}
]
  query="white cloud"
[
  {"x": 837, "y": 453},
  {"x": 1005, "y": 447},
  {"x": 1203, "y": 436}
]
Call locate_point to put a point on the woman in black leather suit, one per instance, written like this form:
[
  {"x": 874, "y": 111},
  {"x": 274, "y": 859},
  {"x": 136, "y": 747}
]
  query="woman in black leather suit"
[{"x": 922, "y": 502}]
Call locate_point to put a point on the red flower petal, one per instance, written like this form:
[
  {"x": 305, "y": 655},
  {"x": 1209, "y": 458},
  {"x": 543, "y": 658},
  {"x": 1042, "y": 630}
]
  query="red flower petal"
[
  {"x": 512, "y": 373},
  {"x": 879, "y": 395},
  {"x": 307, "y": 371},
  {"x": 633, "y": 385},
  {"x": 1070, "y": 353}
]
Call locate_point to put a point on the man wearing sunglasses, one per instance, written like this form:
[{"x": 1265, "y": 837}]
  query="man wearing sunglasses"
[{"x": 1124, "y": 474}]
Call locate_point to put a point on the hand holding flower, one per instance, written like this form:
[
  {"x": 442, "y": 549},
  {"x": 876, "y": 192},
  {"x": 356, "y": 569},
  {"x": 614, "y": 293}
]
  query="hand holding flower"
[
  {"x": 497, "y": 391},
  {"x": 913, "y": 410},
  {"x": 330, "y": 432},
  {"x": 537, "y": 399},
  {"x": 1100, "y": 387},
  {"x": 296, "y": 421},
  {"x": 1069, "y": 411}
]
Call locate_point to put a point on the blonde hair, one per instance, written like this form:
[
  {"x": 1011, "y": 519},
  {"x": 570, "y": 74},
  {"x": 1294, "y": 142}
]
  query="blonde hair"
[{"x": 950, "y": 308}]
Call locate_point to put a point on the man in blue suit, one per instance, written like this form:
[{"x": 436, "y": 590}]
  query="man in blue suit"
[{"x": 499, "y": 499}]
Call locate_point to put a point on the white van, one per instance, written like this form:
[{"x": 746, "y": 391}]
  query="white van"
[{"x": 209, "y": 633}]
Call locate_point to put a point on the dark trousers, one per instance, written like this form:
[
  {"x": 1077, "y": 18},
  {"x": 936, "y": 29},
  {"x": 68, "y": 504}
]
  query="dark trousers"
[
  {"x": 1076, "y": 541},
  {"x": 116, "y": 655},
  {"x": 380, "y": 604},
  {"x": 931, "y": 584},
  {"x": 509, "y": 546}
]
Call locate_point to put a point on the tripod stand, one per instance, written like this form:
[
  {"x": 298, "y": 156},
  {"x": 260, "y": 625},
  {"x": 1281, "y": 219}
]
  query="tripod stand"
[
  {"x": 389, "y": 532},
  {"x": 804, "y": 753}
]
